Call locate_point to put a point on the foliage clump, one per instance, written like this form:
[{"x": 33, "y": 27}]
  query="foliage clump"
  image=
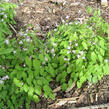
[
  {"x": 80, "y": 51},
  {"x": 72, "y": 53}
]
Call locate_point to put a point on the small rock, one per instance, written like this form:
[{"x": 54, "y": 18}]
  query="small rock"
[
  {"x": 54, "y": 11},
  {"x": 104, "y": 3},
  {"x": 58, "y": 1},
  {"x": 75, "y": 4}
]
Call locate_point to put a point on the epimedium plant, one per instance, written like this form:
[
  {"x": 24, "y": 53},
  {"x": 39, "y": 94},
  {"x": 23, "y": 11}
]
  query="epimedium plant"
[
  {"x": 22, "y": 77},
  {"x": 73, "y": 53},
  {"x": 6, "y": 18},
  {"x": 80, "y": 51},
  {"x": 8, "y": 97},
  {"x": 30, "y": 72}
]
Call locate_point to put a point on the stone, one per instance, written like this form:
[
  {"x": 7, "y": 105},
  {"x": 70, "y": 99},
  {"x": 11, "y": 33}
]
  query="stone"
[
  {"x": 58, "y": 1},
  {"x": 104, "y": 3},
  {"x": 75, "y": 4}
]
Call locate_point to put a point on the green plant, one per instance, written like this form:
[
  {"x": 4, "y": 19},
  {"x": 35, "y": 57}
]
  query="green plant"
[
  {"x": 80, "y": 51},
  {"x": 30, "y": 61},
  {"x": 9, "y": 97},
  {"x": 73, "y": 53}
]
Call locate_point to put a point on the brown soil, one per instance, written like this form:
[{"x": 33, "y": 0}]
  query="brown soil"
[{"x": 45, "y": 15}]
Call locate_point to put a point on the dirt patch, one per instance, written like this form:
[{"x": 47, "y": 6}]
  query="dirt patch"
[{"x": 45, "y": 15}]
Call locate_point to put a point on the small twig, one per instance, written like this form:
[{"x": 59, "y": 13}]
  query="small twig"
[
  {"x": 57, "y": 89},
  {"x": 93, "y": 106},
  {"x": 13, "y": 28},
  {"x": 63, "y": 101},
  {"x": 67, "y": 99}
]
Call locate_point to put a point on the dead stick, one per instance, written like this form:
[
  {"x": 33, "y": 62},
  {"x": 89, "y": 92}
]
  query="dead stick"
[
  {"x": 93, "y": 106},
  {"x": 67, "y": 99},
  {"x": 64, "y": 100},
  {"x": 13, "y": 28},
  {"x": 57, "y": 89}
]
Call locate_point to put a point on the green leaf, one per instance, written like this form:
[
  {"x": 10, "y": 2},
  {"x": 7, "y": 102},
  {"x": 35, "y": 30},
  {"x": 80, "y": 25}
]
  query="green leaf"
[
  {"x": 49, "y": 78},
  {"x": 99, "y": 13},
  {"x": 52, "y": 96},
  {"x": 93, "y": 56},
  {"x": 36, "y": 65},
  {"x": 99, "y": 77},
  {"x": 13, "y": 98},
  {"x": 64, "y": 86},
  {"x": 40, "y": 82},
  {"x": 101, "y": 42},
  {"x": 30, "y": 92},
  {"x": 46, "y": 95},
  {"x": 2, "y": 104},
  {"x": 70, "y": 83},
  {"x": 59, "y": 77},
  {"x": 36, "y": 98},
  {"x": 64, "y": 74},
  {"x": 88, "y": 76},
  {"x": 38, "y": 90},
  {"x": 46, "y": 88},
  {"x": 61, "y": 59},
  {"x": 84, "y": 45},
  {"x": 10, "y": 104},
  {"x": 100, "y": 58},
  {"x": 62, "y": 80},
  {"x": 102, "y": 51},
  {"x": 81, "y": 74},
  {"x": 25, "y": 87},
  {"x": 27, "y": 106},
  {"x": 79, "y": 84},
  {"x": 89, "y": 10},
  {"x": 95, "y": 79},
  {"x": 51, "y": 70},
  {"x": 6, "y": 51},
  {"x": 106, "y": 69},
  {"x": 28, "y": 61},
  {"x": 41, "y": 57},
  {"x": 69, "y": 69},
  {"x": 82, "y": 79},
  {"x": 17, "y": 82}
]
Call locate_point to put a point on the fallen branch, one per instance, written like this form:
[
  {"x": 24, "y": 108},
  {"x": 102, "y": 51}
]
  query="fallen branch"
[
  {"x": 93, "y": 106},
  {"x": 13, "y": 28}
]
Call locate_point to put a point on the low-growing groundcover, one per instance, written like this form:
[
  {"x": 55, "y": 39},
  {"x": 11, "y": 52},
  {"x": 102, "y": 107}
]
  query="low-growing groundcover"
[{"x": 73, "y": 52}]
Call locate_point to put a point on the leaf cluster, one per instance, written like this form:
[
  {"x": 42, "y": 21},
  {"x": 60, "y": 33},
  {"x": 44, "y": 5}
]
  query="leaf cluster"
[{"x": 73, "y": 53}]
